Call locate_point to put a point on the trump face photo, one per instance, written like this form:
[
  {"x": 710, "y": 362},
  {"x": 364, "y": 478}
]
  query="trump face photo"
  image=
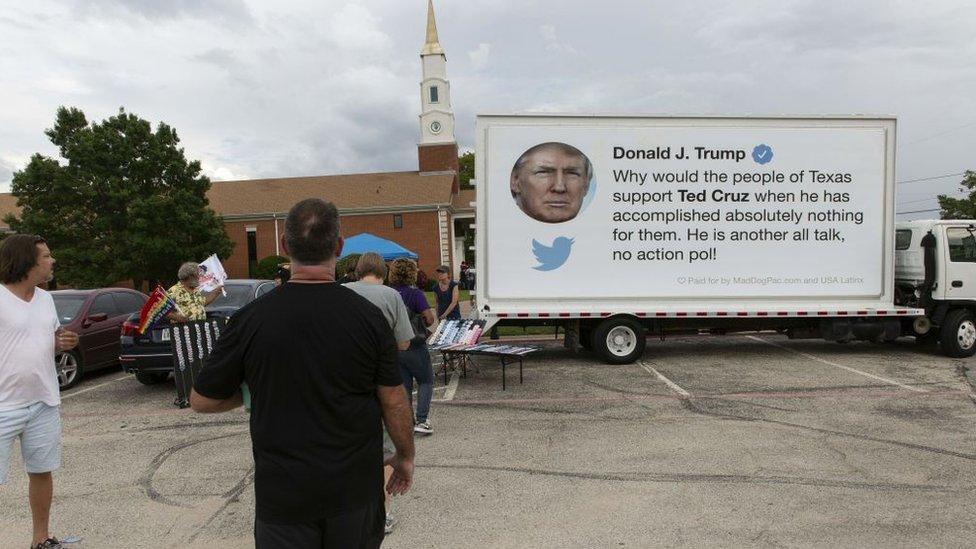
[{"x": 550, "y": 180}]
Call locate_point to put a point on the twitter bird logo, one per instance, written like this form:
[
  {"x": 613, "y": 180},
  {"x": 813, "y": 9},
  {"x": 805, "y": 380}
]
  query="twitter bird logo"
[{"x": 552, "y": 257}]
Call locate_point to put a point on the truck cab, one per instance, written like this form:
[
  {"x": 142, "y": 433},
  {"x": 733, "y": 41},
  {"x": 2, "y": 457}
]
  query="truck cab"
[{"x": 935, "y": 270}]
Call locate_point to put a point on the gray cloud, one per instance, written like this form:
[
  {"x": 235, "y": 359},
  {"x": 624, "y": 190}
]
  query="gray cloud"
[
  {"x": 227, "y": 11},
  {"x": 301, "y": 87}
]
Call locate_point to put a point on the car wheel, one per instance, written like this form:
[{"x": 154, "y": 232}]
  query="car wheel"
[
  {"x": 958, "y": 334},
  {"x": 68, "y": 367},
  {"x": 619, "y": 340},
  {"x": 151, "y": 378}
]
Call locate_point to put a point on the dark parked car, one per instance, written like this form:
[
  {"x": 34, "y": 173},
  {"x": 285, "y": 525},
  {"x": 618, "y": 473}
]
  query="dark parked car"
[
  {"x": 95, "y": 315},
  {"x": 150, "y": 356}
]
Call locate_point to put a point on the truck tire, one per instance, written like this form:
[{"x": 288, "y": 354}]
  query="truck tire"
[
  {"x": 151, "y": 378},
  {"x": 619, "y": 340},
  {"x": 958, "y": 334}
]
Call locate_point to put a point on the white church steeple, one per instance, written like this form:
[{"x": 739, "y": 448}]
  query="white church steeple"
[{"x": 436, "y": 113}]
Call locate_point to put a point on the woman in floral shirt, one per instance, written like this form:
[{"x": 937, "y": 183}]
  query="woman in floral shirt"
[{"x": 190, "y": 302}]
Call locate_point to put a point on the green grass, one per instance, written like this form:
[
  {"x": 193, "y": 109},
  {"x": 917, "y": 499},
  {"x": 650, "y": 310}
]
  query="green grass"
[{"x": 525, "y": 330}]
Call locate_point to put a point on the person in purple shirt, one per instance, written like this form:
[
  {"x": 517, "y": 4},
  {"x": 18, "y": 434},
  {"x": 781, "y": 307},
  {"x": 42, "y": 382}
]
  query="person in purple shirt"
[{"x": 415, "y": 362}]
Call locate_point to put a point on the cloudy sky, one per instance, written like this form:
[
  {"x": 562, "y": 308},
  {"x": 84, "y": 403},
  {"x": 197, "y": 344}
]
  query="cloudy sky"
[{"x": 262, "y": 89}]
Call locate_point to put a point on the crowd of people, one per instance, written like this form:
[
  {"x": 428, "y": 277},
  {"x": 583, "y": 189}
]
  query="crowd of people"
[{"x": 330, "y": 368}]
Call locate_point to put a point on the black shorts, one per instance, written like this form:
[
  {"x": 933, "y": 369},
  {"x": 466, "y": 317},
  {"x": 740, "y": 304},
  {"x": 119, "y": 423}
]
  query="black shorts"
[{"x": 362, "y": 529}]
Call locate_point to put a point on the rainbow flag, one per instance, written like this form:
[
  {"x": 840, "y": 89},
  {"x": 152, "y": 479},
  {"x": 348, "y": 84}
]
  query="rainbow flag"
[{"x": 156, "y": 308}]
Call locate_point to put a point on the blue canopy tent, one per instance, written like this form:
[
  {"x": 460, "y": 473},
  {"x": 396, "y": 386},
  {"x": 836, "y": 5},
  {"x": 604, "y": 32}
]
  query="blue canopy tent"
[{"x": 365, "y": 242}]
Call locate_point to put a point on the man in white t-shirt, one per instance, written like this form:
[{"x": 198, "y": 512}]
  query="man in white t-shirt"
[{"x": 30, "y": 336}]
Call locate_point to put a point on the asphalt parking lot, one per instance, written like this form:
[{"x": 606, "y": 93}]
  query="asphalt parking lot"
[{"x": 709, "y": 441}]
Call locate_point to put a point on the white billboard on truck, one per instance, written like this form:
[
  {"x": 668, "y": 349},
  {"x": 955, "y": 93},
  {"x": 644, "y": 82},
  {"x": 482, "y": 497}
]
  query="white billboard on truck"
[{"x": 705, "y": 216}]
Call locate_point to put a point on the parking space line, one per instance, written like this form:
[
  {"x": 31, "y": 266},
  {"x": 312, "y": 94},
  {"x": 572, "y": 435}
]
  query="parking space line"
[
  {"x": 93, "y": 387},
  {"x": 449, "y": 390},
  {"x": 841, "y": 366},
  {"x": 671, "y": 385}
]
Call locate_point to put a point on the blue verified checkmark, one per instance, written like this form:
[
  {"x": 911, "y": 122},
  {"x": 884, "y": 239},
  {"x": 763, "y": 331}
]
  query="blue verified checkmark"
[{"x": 762, "y": 154}]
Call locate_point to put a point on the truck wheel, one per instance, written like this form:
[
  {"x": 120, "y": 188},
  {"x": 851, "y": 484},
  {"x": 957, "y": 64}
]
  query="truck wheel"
[
  {"x": 151, "y": 378},
  {"x": 619, "y": 340},
  {"x": 958, "y": 335}
]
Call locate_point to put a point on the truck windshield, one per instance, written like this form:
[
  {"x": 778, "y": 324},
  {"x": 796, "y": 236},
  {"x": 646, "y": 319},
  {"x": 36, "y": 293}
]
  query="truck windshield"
[{"x": 903, "y": 239}]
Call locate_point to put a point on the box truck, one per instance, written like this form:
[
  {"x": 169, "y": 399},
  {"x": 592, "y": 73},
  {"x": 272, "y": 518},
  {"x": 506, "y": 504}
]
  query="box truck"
[{"x": 622, "y": 227}]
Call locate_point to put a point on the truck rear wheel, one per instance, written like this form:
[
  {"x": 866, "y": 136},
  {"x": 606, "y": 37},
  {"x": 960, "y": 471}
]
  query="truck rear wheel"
[
  {"x": 619, "y": 340},
  {"x": 958, "y": 334}
]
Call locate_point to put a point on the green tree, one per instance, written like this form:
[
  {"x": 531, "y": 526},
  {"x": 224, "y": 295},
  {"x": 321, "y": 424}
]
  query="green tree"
[
  {"x": 960, "y": 208},
  {"x": 268, "y": 267},
  {"x": 124, "y": 204},
  {"x": 466, "y": 170}
]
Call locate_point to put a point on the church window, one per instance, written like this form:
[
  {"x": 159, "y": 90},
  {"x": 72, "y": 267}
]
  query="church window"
[
  {"x": 397, "y": 221},
  {"x": 433, "y": 94}
]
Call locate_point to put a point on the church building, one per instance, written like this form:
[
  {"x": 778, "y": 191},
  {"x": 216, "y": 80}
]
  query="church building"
[{"x": 424, "y": 210}]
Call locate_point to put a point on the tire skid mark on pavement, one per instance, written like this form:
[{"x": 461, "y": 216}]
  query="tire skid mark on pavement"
[
  {"x": 708, "y": 478},
  {"x": 231, "y": 496},
  {"x": 692, "y": 405},
  {"x": 146, "y": 481}
]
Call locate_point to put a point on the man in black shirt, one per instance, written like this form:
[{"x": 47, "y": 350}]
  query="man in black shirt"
[{"x": 320, "y": 362}]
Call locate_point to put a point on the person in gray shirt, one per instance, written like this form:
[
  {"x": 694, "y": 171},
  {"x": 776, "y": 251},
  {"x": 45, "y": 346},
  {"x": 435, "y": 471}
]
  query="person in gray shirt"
[{"x": 370, "y": 272}]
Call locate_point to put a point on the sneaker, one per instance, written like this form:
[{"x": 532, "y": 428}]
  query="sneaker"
[
  {"x": 390, "y": 523},
  {"x": 49, "y": 543},
  {"x": 423, "y": 427}
]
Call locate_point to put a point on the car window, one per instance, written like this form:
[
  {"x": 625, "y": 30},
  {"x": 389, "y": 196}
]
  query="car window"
[
  {"x": 68, "y": 306},
  {"x": 238, "y": 295},
  {"x": 128, "y": 302},
  {"x": 265, "y": 288},
  {"x": 104, "y": 304}
]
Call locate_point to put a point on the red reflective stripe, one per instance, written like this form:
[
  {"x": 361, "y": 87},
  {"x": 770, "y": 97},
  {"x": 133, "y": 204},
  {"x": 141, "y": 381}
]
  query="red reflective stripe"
[
  {"x": 862, "y": 312},
  {"x": 522, "y": 315},
  {"x": 641, "y": 315},
  {"x": 605, "y": 314},
  {"x": 564, "y": 315},
  {"x": 701, "y": 314},
  {"x": 502, "y": 315},
  {"x": 584, "y": 315},
  {"x": 802, "y": 313},
  {"x": 543, "y": 315},
  {"x": 882, "y": 312},
  {"x": 841, "y": 313},
  {"x": 741, "y": 313},
  {"x": 762, "y": 313},
  {"x": 823, "y": 313},
  {"x": 782, "y": 313},
  {"x": 722, "y": 313}
]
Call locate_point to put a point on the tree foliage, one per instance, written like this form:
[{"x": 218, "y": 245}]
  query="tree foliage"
[
  {"x": 123, "y": 204},
  {"x": 960, "y": 208},
  {"x": 268, "y": 267},
  {"x": 466, "y": 170}
]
